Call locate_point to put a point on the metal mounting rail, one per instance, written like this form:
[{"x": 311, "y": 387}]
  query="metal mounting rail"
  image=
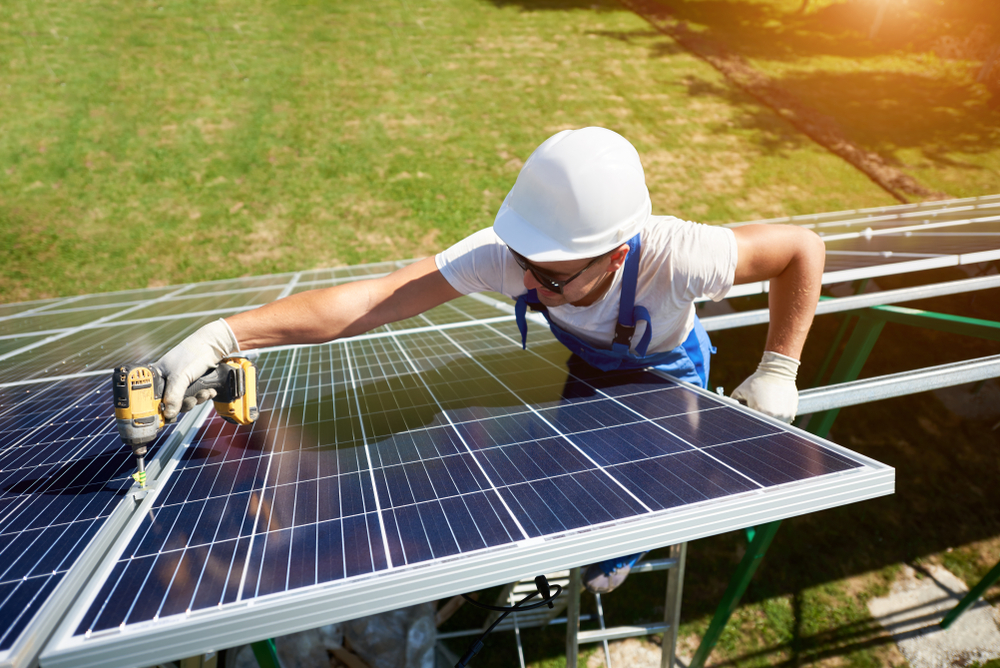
[
  {"x": 760, "y": 316},
  {"x": 898, "y": 384}
]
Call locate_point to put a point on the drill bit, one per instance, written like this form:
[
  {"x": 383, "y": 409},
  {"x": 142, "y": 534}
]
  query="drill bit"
[{"x": 140, "y": 461}]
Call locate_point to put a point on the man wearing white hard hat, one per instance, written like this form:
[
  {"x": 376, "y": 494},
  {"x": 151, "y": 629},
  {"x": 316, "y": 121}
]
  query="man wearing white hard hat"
[{"x": 576, "y": 240}]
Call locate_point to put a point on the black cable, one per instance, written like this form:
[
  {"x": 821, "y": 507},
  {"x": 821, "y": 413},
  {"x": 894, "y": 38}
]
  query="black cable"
[{"x": 542, "y": 586}]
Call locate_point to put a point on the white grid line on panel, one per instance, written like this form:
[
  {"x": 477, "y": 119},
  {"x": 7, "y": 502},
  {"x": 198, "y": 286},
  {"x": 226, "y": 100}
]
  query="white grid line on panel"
[
  {"x": 550, "y": 425},
  {"x": 201, "y": 314},
  {"x": 286, "y": 418},
  {"x": 45, "y": 307},
  {"x": 36, "y": 344},
  {"x": 394, "y": 333},
  {"x": 298, "y": 471},
  {"x": 129, "y": 323},
  {"x": 24, "y": 610},
  {"x": 959, "y": 235},
  {"x": 148, "y": 574},
  {"x": 291, "y": 285},
  {"x": 84, "y": 443},
  {"x": 437, "y": 497},
  {"x": 210, "y": 544},
  {"x": 78, "y": 309},
  {"x": 642, "y": 418},
  {"x": 172, "y": 300},
  {"x": 885, "y": 231},
  {"x": 603, "y": 397},
  {"x": 329, "y": 282},
  {"x": 298, "y": 468},
  {"x": 416, "y": 370},
  {"x": 908, "y": 215},
  {"x": 885, "y": 254},
  {"x": 893, "y": 211},
  {"x": 267, "y": 471},
  {"x": 368, "y": 456},
  {"x": 340, "y": 489},
  {"x": 232, "y": 559},
  {"x": 442, "y": 497}
]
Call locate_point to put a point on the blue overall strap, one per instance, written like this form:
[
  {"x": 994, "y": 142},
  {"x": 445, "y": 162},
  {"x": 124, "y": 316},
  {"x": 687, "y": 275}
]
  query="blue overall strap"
[
  {"x": 520, "y": 310},
  {"x": 628, "y": 312}
]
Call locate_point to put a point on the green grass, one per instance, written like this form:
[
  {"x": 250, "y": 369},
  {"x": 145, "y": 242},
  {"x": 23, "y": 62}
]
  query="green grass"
[
  {"x": 894, "y": 94},
  {"x": 149, "y": 143}
]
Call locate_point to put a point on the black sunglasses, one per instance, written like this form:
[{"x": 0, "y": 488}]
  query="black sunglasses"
[{"x": 549, "y": 283}]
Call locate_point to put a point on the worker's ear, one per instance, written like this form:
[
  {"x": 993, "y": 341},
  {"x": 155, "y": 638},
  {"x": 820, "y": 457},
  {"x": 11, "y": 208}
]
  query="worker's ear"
[{"x": 617, "y": 257}]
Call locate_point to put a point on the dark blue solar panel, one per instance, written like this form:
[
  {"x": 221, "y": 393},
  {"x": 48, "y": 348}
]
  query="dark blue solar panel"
[
  {"x": 63, "y": 470},
  {"x": 378, "y": 454}
]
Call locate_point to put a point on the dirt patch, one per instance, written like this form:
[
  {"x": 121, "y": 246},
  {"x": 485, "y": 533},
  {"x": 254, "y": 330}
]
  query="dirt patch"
[
  {"x": 820, "y": 128},
  {"x": 633, "y": 652}
]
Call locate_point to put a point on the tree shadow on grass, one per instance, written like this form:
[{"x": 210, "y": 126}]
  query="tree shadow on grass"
[
  {"x": 663, "y": 46},
  {"x": 765, "y": 30},
  {"x": 560, "y": 5},
  {"x": 883, "y": 112},
  {"x": 887, "y": 111},
  {"x": 773, "y": 135}
]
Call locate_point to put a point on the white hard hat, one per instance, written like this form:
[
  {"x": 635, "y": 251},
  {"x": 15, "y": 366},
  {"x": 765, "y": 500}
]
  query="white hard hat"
[{"x": 581, "y": 194}]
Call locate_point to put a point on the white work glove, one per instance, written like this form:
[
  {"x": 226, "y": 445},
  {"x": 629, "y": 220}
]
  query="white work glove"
[
  {"x": 189, "y": 360},
  {"x": 771, "y": 389}
]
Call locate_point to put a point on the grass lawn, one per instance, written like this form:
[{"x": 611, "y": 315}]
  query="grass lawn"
[
  {"x": 150, "y": 143},
  {"x": 909, "y": 94}
]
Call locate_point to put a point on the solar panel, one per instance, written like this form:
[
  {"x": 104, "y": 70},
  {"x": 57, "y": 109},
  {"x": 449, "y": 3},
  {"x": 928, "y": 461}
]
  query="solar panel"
[
  {"x": 407, "y": 466},
  {"x": 868, "y": 243}
]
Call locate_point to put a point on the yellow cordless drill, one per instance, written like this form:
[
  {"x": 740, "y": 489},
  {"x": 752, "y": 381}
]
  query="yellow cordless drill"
[{"x": 138, "y": 394}]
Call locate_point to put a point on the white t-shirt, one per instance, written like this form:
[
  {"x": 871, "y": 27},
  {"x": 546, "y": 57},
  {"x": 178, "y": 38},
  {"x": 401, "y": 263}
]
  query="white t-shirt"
[{"x": 680, "y": 262}]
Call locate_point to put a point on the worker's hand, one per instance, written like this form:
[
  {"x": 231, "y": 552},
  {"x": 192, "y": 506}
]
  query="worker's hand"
[
  {"x": 771, "y": 389},
  {"x": 189, "y": 360}
]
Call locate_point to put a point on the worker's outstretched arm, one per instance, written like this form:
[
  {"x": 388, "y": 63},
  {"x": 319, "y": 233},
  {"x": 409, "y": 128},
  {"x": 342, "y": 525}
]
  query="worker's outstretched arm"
[
  {"x": 792, "y": 259},
  {"x": 349, "y": 309},
  {"x": 315, "y": 316}
]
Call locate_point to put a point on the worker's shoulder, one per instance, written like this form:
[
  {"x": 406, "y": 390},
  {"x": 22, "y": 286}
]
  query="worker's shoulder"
[{"x": 666, "y": 228}]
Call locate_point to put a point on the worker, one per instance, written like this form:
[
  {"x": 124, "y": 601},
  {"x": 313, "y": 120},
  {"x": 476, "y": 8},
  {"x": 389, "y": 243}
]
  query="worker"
[{"x": 576, "y": 240}]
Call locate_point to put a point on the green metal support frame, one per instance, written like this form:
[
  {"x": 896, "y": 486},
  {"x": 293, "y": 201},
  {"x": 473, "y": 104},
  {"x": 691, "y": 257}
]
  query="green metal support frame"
[
  {"x": 972, "y": 596},
  {"x": 869, "y": 325},
  {"x": 266, "y": 654},
  {"x": 762, "y": 537}
]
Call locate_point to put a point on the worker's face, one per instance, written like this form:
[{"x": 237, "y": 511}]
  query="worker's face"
[{"x": 586, "y": 278}]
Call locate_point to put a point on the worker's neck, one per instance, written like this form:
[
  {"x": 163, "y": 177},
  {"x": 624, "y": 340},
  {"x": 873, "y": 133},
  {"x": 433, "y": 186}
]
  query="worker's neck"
[{"x": 598, "y": 291}]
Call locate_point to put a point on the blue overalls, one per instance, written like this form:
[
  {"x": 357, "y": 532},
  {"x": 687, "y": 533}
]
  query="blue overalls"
[{"x": 688, "y": 361}]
